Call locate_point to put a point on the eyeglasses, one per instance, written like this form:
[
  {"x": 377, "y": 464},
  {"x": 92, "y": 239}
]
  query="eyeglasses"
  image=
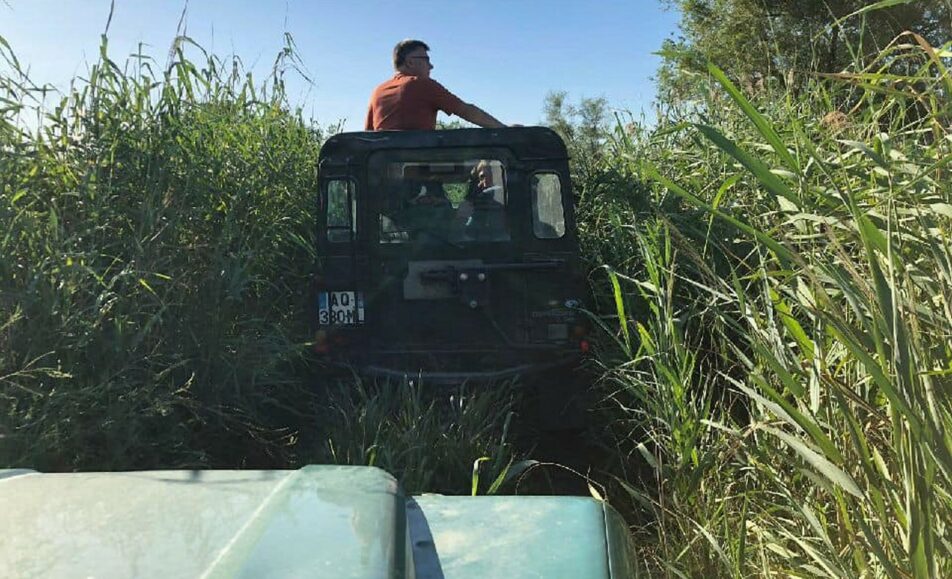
[{"x": 423, "y": 58}]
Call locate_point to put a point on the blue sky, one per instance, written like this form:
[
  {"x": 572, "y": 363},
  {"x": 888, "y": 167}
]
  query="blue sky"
[{"x": 503, "y": 56}]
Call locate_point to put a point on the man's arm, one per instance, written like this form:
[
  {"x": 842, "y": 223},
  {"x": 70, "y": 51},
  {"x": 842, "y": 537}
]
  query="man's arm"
[
  {"x": 449, "y": 103},
  {"x": 479, "y": 117},
  {"x": 369, "y": 123}
]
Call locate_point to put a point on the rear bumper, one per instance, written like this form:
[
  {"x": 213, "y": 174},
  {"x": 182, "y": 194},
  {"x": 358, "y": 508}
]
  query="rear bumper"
[
  {"x": 457, "y": 367},
  {"x": 448, "y": 378}
]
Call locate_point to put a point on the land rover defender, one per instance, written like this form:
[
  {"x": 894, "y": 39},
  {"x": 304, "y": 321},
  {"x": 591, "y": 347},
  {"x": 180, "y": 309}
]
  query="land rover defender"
[{"x": 449, "y": 255}]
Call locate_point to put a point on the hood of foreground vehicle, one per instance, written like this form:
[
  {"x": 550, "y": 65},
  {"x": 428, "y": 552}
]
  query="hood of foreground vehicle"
[{"x": 319, "y": 521}]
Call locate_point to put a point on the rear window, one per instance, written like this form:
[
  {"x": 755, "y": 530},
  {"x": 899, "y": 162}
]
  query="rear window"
[{"x": 450, "y": 201}]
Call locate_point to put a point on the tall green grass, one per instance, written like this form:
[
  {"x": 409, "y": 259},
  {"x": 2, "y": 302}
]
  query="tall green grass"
[
  {"x": 155, "y": 250},
  {"x": 788, "y": 393},
  {"x": 433, "y": 439}
]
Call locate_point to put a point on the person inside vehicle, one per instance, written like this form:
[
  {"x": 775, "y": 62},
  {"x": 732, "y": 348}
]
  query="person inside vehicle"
[
  {"x": 485, "y": 187},
  {"x": 410, "y": 99},
  {"x": 429, "y": 193},
  {"x": 481, "y": 211}
]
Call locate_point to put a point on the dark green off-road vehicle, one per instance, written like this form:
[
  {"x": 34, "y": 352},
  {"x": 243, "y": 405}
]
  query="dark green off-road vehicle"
[{"x": 448, "y": 255}]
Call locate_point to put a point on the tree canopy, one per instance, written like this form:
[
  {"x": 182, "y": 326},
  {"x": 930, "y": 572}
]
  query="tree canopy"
[{"x": 758, "y": 41}]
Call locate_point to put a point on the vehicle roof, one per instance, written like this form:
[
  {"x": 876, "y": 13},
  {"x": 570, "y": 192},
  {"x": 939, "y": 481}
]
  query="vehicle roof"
[{"x": 534, "y": 142}]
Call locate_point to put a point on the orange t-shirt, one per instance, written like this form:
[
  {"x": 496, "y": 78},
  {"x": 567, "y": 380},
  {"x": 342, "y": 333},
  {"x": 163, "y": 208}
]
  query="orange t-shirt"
[{"x": 407, "y": 103}]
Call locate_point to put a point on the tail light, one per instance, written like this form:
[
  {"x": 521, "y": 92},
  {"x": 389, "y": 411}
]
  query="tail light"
[
  {"x": 321, "y": 345},
  {"x": 325, "y": 341}
]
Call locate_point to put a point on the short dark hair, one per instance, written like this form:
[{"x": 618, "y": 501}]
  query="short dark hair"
[{"x": 405, "y": 47}]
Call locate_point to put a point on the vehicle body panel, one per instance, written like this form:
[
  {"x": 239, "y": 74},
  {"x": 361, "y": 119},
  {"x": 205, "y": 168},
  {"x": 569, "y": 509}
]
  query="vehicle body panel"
[{"x": 319, "y": 521}]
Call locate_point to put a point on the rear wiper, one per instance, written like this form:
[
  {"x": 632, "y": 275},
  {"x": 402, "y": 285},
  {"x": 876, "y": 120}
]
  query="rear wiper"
[{"x": 426, "y": 232}]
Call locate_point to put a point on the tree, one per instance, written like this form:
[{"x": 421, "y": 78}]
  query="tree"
[
  {"x": 757, "y": 42},
  {"x": 584, "y": 128}
]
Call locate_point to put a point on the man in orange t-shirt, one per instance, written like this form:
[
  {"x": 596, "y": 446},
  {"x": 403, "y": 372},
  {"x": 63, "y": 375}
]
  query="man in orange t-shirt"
[{"x": 409, "y": 101}]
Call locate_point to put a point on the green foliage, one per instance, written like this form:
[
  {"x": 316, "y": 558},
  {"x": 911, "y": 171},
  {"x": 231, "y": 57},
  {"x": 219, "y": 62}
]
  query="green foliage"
[
  {"x": 428, "y": 438},
  {"x": 788, "y": 401},
  {"x": 758, "y": 43},
  {"x": 155, "y": 246},
  {"x": 583, "y": 127},
  {"x": 602, "y": 186}
]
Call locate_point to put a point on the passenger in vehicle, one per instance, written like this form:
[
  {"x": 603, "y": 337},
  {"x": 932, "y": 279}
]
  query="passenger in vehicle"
[
  {"x": 410, "y": 100},
  {"x": 481, "y": 214},
  {"x": 424, "y": 209},
  {"x": 486, "y": 187},
  {"x": 430, "y": 193}
]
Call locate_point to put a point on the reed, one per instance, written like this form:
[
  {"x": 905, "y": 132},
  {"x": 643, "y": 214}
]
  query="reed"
[{"x": 790, "y": 386}]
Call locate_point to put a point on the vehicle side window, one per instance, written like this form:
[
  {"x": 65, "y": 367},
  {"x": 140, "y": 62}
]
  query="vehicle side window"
[
  {"x": 341, "y": 211},
  {"x": 548, "y": 219}
]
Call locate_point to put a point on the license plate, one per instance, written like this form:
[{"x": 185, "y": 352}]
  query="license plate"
[{"x": 340, "y": 308}]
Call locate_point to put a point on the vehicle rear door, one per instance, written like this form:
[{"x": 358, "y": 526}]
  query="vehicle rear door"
[{"x": 457, "y": 288}]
